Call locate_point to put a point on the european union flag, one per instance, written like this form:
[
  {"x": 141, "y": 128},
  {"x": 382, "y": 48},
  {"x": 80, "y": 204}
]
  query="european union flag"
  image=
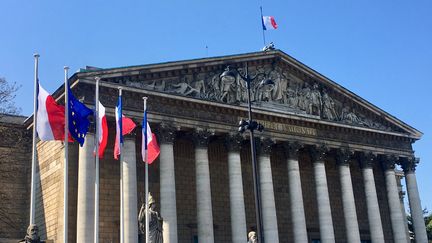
[{"x": 78, "y": 118}]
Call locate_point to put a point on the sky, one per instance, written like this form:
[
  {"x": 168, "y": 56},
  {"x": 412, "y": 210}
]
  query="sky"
[{"x": 380, "y": 50}]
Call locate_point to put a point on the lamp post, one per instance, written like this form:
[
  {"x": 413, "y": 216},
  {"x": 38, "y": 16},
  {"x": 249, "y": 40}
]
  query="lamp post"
[{"x": 251, "y": 125}]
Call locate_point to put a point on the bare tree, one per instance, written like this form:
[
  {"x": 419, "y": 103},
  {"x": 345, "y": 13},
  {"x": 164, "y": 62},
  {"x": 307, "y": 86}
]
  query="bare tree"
[
  {"x": 7, "y": 96},
  {"x": 14, "y": 147}
]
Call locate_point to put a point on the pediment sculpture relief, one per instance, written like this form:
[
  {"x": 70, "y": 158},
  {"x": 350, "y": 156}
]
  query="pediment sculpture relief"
[{"x": 288, "y": 93}]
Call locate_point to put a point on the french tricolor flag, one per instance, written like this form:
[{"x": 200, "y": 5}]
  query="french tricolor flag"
[
  {"x": 149, "y": 142},
  {"x": 268, "y": 22},
  {"x": 124, "y": 126},
  {"x": 50, "y": 116}
]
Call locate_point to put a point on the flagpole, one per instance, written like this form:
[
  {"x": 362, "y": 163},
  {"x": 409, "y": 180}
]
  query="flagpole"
[
  {"x": 33, "y": 165},
  {"x": 66, "y": 162},
  {"x": 262, "y": 26},
  {"x": 96, "y": 223},
  {"x": 121, "y": 172},
  {"x": 146, "y": 173}
]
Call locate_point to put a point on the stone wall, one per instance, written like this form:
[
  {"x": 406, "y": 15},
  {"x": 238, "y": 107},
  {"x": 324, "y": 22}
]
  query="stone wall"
[
  {"x": 109, "y": 193},
  {"x": 248, "y": 189},
  {"x": 282, "y": 196},
  {"x": 309, "y": 194},
  {"x": 49, "y": 190},
  {"x": 15, "y": 166},
  {"x": 219, "y": 180},
  {"x": 185, "y": 189}
]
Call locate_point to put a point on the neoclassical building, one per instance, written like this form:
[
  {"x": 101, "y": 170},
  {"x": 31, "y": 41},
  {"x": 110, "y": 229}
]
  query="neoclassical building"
[{"x": 326, "y": 158}]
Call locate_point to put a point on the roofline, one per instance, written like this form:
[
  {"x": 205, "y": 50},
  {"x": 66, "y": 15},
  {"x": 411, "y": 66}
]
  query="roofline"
[
  {"x": 181, "y": 62},
  {"x": 378, "y": 111},
  {"x": 221, "y": 60}
]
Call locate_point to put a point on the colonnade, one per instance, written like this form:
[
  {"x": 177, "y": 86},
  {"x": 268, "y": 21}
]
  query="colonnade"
[{"x": 318, "y": 153}]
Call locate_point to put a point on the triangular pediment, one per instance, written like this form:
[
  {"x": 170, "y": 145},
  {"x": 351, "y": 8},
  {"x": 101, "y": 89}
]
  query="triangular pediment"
[{"x": 296, "y": 89}]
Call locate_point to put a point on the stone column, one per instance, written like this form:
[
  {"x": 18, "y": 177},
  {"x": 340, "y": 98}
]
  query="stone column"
[
  {"x": 396, "y": 217},
  {"x": 270, "y": 226},
  {"x": 399, "y": 176},
  {"x": 409, "y": 166},
  {"x": 350, "y": 215},
  {"x": 203, "y": 188},
  {"x": 130, "y": 198},
  {"x": 324, "y": 209},
  {"x": 375, "y": 226},
  {"x": 295, "y": 191},
  {"x": 86, "y": 193},
  {"x": 167, "y": 184},
  {"x": 237, "y": 207}
]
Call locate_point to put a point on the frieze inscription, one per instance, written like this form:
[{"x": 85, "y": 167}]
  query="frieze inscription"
[{"x": 287, "y": 128}]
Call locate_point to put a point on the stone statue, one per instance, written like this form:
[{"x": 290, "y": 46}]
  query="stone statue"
[
  {"x": 304, "y": 98},
  {"x": 160, "y": 87},
  {"x": 265, "y": 92},
  {"x": 184, "y": 88},
  {"x": 252, "y": 237},
  {"x": 214, "y": 92},
  {"x": 315, "y": 101},
  {"x": 228, "y": 89},
  {"x": 281, "y": 88},
  {"x": 292, "y": 97},
  {"x": 242, "y": 90},
  {"x": 329, "y": 111},
  {"x": 155, "y": 221},
  {"x": 199, "y": 85},
  {"x": 32, "y": 235},
  {"x": 349, "y": 116}
]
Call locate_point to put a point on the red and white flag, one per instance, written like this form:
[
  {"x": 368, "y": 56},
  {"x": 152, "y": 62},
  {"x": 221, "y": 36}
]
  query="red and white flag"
[
  {"x": 50, "y": 117},
  {"x": 149, "y": 142},
  {"x": 268, "y": 22},
  {"x": 103, "y": 130}
]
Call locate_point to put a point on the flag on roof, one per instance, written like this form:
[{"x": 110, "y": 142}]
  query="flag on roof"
[{"x": 268, "y": 22}]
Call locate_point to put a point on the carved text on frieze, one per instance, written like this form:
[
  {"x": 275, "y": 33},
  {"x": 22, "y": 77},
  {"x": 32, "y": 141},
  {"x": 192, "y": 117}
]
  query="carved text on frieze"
[{"x": 283, "y": 127}]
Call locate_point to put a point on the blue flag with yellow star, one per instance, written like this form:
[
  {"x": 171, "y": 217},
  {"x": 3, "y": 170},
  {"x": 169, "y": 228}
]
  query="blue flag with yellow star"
[{"x": 78, "y": 118}]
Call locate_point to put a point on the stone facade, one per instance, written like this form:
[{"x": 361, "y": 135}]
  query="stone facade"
[
  {"x": 187, "y": 98},
  {"x": 15, "y": 154}
]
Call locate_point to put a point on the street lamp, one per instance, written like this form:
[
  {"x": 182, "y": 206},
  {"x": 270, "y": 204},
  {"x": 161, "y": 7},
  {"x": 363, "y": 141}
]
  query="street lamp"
[{"x": 251, "y": 125}]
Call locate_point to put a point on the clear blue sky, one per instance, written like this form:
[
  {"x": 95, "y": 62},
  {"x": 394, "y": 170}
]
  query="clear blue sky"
[{"x": 380, "y": 50}]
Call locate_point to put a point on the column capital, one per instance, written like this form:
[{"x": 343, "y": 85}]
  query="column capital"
[
  {"x": 167, "y": 133},
  {"x": 388, "y": 162},
  {"x": 343, "y": 156},
  {"x": 318, "y": 152},
  {"x": 201, "y": 137},
  {"x": 367, "y": 159},
  {"x": 292, "y": 149},
  {"x": 233, "y": 141},
  {"x": 409, "y": 164},
  {"x": 265, "y": 145}
]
